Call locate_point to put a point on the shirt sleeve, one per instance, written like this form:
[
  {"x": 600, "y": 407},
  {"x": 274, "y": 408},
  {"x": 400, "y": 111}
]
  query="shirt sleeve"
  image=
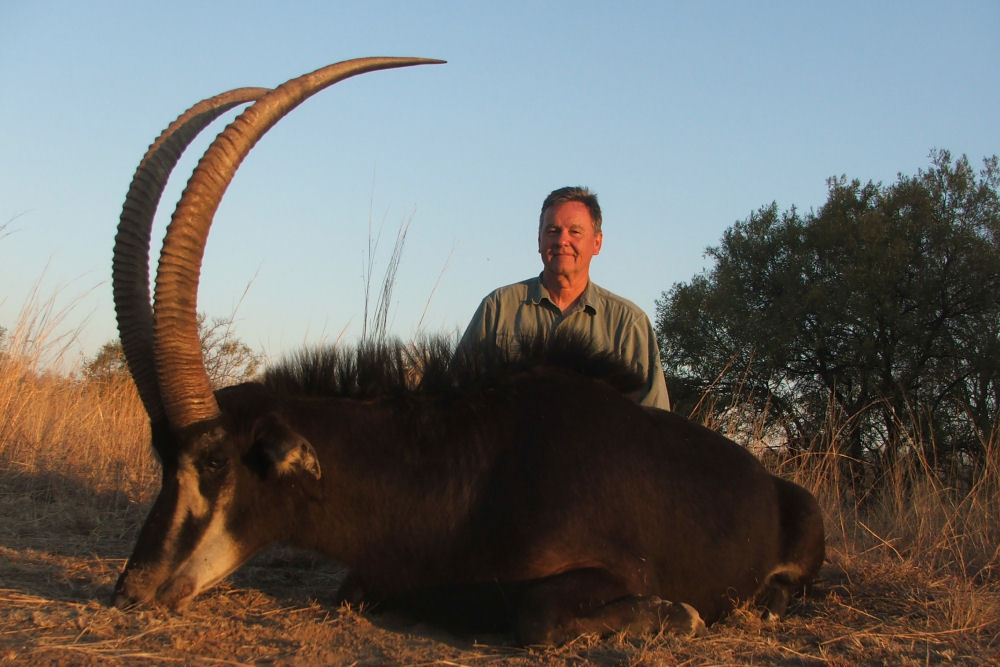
[
  {"x": 481, "y": 327},
  {"x": 644, "y": 354}
]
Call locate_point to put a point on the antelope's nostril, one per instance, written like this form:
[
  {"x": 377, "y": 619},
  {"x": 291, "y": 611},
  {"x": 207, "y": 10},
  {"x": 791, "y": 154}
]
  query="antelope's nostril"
[{"x": 177, "y": 594}]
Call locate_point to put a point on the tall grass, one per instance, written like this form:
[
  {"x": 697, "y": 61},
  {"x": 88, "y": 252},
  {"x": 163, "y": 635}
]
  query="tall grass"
[
  {"x": 57, "y": 426},
  {"x": 909, "y": 541}
]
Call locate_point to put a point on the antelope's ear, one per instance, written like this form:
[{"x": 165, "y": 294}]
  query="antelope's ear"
[{"x": 282, "y": 449}]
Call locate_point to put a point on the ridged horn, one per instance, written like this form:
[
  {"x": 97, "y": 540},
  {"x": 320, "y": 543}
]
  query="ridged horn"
[
  {"x": 130, "y": 259},
  {"x": 184, "y": 383}
]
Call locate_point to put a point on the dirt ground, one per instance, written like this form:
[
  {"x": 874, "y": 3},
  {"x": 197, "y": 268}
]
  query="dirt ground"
[{"x": 62, "y": 547}]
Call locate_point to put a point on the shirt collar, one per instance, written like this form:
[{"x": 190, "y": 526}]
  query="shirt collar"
[{"x": 537, "y": 293}]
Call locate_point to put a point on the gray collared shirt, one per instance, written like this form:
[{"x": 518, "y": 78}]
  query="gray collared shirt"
[{"x": 606, "y": 319}]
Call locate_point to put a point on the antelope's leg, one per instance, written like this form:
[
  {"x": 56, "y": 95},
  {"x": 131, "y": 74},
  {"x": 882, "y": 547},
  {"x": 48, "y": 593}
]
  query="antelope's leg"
[{"x": 594, "y": 601}]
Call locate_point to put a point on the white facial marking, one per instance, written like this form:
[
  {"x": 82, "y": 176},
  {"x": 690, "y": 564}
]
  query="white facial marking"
[
  {"x": 190, "y": 502},
  {"x": 189, "y": 495},
  {"x": 216, "y": 554}
]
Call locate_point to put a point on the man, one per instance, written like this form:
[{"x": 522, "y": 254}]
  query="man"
[{"x": 563, "y": 297}]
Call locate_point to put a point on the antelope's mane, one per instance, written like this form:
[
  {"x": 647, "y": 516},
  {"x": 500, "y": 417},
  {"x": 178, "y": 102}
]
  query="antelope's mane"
[{"x": 436, "y": 365}]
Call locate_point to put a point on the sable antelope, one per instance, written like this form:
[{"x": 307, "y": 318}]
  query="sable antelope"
[{"x": 539, "y": 492}]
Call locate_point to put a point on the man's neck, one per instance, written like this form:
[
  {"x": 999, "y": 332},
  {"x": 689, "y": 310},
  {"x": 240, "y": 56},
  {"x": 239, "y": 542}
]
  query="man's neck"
[{"x": 564, "y": 291}]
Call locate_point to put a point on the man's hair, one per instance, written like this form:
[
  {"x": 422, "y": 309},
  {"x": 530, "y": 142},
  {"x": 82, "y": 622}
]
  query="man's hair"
[{"x": 573, "y": 193}]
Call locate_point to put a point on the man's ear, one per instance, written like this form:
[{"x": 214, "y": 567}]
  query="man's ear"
[{"x": 284, "y": 450}]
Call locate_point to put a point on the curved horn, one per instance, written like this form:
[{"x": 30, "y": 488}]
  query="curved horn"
[
  {"x": 130, "y": 261},
  {"x": 184, "y": 383}
]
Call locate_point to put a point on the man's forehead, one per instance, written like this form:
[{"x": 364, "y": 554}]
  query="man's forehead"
[
  {"x": 575, "y": 222},
  {"x": 567, "y": 214}
]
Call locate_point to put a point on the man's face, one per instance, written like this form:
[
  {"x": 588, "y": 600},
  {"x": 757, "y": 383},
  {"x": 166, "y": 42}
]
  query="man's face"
[{"x": 567, "y": 240}]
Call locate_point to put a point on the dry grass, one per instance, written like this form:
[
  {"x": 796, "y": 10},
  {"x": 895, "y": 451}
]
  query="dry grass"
[
  {"x": 73, "y": 432},
  {"x": 911, "y": 576}
]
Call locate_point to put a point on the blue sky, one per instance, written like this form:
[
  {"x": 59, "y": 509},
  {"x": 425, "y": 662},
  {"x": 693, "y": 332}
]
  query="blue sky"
[{"x": 683, "y": 117}]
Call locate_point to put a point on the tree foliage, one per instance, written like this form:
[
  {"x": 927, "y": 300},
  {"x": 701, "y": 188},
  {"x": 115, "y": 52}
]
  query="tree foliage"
[
  {"x": 108, "y": 363},
  {"x": 883, "y": 306},
  {"x": 228, "y": 360}
]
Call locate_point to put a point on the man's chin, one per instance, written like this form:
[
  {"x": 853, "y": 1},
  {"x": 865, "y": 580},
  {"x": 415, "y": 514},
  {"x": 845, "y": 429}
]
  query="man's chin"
[{"x": 561, "y": 262}]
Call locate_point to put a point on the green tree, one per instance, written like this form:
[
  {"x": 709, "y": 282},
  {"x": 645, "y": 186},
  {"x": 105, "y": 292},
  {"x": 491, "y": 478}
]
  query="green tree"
[
  {"x": 882, "y": 306},
  {"x": 228, "y": 360}
]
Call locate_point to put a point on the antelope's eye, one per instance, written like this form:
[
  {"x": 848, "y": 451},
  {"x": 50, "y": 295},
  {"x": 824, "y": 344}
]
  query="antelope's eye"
[{"x": 214, "y": 462}]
